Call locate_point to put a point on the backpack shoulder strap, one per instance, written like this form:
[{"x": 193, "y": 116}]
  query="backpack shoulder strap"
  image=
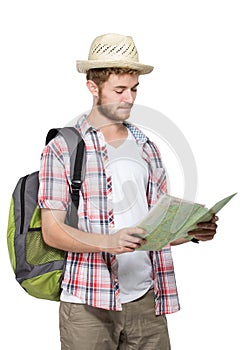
[
  {"x": 75, "y": 145},
  {"x": 76, "y": 149},
  {"x": 52, "y": 133}
]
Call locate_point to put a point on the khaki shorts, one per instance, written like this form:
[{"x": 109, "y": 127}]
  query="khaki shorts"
[{"x": 136, "y": 327}]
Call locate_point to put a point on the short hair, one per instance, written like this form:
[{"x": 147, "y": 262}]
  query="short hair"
[{"x": 100, "y": 75}]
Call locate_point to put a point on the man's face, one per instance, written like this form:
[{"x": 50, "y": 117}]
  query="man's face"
[{"x": 117, "y": 95}]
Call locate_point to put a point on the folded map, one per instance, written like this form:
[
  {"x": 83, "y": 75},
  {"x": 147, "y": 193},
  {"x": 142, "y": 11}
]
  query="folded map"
[{"x": 173, "y": 217}]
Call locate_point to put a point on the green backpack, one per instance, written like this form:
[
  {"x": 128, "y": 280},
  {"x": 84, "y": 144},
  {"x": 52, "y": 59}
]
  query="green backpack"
[{"x": 38, "y": 267}]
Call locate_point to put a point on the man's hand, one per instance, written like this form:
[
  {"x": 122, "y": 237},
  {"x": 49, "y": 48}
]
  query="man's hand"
[
  {"x": 125, "y": 240},
  {"x": 206, "y": 230}
]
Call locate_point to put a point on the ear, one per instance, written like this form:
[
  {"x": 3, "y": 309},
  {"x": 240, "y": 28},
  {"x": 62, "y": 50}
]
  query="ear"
[{"x": 93, "y": 88}]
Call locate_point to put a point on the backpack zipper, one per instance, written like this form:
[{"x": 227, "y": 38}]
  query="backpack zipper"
[
  {"x": 22, "y": 193},
  {"x": 33, "y": 229}
]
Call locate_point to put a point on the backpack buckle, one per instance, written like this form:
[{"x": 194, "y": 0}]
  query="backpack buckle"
[{"x": 76, "y": 185}]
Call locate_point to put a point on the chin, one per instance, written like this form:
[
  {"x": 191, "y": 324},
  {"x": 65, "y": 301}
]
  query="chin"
[{"x": 124, "y": 114}]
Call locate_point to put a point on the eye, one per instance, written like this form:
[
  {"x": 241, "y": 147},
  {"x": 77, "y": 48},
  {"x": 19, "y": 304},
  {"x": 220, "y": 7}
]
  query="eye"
[{"x": 119, "y": 91}]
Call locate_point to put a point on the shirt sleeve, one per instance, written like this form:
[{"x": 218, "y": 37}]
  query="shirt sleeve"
[{"x": 54, "y": 176}]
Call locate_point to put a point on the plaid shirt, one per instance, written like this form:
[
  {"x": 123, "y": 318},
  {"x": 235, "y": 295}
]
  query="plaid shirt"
[{"x": 93, "y": 277}]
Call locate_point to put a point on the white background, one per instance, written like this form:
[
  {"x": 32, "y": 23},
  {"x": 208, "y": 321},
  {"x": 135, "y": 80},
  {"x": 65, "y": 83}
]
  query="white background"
[{"x": 196, "y": 48}]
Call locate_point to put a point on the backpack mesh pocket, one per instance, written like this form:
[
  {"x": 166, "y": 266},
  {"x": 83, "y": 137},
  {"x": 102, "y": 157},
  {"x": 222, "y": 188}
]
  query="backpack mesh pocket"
[{"x": 37, "y": 251}]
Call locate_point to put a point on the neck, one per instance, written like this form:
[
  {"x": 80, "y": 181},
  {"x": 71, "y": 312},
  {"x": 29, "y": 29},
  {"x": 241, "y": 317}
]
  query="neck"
[
  {"x": 97, "y": 120},
  {"x": 112, "y": 130}
]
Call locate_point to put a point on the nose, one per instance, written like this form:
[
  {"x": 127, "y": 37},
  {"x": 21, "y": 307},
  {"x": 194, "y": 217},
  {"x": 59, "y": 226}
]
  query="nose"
[{"x": 128, "y": 96}]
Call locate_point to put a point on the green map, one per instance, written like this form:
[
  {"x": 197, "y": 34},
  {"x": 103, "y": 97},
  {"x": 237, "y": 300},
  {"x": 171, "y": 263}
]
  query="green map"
[{"x": 172, "y": 218}]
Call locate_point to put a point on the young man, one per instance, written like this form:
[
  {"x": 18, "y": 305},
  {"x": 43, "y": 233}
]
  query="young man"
[{"x": 113, "y": 297}]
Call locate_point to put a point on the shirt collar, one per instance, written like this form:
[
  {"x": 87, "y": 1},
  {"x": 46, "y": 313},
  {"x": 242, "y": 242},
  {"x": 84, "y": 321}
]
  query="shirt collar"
[
  {"x": 137, "y": 133},
  {"x": 84, "y": 127}
]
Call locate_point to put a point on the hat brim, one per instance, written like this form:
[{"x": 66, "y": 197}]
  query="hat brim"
[{"x": 84, "y": 66}]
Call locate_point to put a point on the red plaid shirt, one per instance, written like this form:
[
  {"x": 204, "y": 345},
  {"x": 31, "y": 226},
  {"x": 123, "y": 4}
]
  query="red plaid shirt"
[{"x": 93, "y": 277}]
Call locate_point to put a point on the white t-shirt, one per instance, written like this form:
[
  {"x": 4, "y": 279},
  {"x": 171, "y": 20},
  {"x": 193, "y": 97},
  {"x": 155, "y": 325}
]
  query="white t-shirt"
[
  {"x": 129, "y": 172},
  {"x": 129, "y": 175}
]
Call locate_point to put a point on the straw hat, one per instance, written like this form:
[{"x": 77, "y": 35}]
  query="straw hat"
[{"x": 113, "y": 50}]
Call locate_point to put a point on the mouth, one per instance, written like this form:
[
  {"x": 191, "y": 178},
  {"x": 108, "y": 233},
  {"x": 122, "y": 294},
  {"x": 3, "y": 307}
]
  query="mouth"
[{"x": 126, "y": 107}]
